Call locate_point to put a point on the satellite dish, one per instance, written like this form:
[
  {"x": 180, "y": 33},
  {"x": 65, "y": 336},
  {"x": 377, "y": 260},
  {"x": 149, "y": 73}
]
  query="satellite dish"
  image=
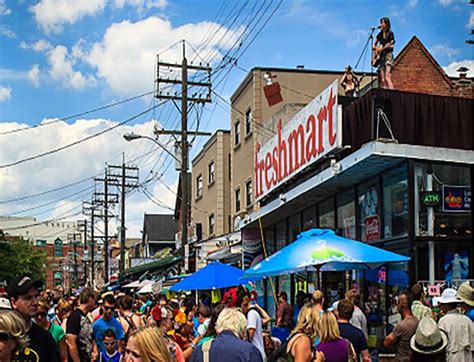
[{"x": 237, "y": 223}]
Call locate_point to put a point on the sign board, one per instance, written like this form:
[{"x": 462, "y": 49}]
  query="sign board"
[
  {"x": 313, "y": 132},
  {"x": 434, "y": 290},
  {"x": 430, "y": 198},
  {"x": 456, "y": 198},
  {"x": 382, "y": 275},
  {"x": 372, "y": 228}
]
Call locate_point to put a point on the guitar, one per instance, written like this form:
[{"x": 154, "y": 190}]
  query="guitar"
[{"x": 377, "y": 54}]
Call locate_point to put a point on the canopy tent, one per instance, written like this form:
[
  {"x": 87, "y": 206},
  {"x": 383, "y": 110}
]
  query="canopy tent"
[
  {"x": 322, "y": 250},
  {"x": 137, "y": 284},
  {"x": 213, "y": 276}
]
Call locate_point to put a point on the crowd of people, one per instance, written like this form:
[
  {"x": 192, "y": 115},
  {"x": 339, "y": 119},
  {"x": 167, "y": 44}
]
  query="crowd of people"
[{"x": 49, "y": 325}]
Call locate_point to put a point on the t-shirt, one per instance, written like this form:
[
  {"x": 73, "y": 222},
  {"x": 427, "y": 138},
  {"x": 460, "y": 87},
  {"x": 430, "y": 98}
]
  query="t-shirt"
[
  {"x": 57, "y": 332},
  {"x": 79, "y": 325},
  {"x": 403, "y": 331},
  {"x": 285, "y": 313},
  {"x": 41, "y": 347},
  {"x": 255, "y": 321},
  {"x": 101, "y": 325},
  {"x": 202, "y": 329},
  {"x": 336, "y": 351},
  {"x": 353, "y": 335},
  {"x": 382, "y": 40},
  {"x": 115, "y": 357}
]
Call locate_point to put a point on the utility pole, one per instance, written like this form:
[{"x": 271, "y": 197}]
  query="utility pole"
[
  {"x": 184, "y": 132},
  {"x": 83, "y": 227},
  {"x": 128, "y": 180},
  {"x": 73, "y": 239}
]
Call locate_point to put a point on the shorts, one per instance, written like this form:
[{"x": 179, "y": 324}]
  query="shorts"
[{"x": 387, "y": 60}]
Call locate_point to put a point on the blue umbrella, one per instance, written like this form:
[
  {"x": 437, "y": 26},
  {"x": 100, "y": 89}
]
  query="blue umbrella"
[
  {"x": 322, "y": 249},
  {"x": 213, "y": 276}
]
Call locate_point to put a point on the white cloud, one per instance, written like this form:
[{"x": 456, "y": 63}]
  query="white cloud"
[
  {"x": 470, "y": 23},
  {"x": 61, "y": 69},
  {"x": 52, "y": 15},
  {"x": 142, "y": 5},
  {"x": 5, "y": 93},
  {"x": 39, "y": 46},
  {"x": 33, "y": 75},
  {"x": 84, "y": 160},
  {"x": 412, "y": 4},
  {"x": 446, "y": 50},
  {"x": 445, "y": 3},
  {"x": 452, "y": 68},
  {"x": 127, "y": 74},
  {"x": 7, "y": 32},
  {"x": 4, "y": 10}
]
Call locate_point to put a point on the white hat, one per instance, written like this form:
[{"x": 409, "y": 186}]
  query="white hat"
[
  {"x": 5, "y": 303},
  {"x": 428, "y": 339},
  {"x": 448, "y": 296},
  {"x": 466, "y": 293}
]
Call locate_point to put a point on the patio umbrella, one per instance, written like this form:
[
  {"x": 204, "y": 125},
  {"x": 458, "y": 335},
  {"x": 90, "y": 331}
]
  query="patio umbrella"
[
  {"x": 322, "y": 249},
  {"x": 213, "y": 276}
]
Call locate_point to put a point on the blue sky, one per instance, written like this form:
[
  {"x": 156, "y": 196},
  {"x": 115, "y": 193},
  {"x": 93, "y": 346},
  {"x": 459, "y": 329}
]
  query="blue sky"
[{"x": 60, "y": 57}]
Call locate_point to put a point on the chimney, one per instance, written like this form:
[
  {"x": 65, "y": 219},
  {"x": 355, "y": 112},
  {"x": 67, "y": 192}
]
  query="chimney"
[
  {"x": 463, "y": 72},
  {"x": 301, "y": 66}
]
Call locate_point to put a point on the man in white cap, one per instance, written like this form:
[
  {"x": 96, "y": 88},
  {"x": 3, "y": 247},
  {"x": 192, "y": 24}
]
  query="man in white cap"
[
  {"x": 458, "y": 327},
  {"x": 466, "y": 294}
]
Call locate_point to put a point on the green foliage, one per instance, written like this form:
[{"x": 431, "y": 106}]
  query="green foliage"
[{"x": 19, "y": 257}]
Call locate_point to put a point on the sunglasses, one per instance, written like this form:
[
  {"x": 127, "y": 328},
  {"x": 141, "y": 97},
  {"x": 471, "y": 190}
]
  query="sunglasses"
[
  {"x": 109, "y": 343},
  {"x": 109, "y": 308},
  {"x": 4, "y": 336}
]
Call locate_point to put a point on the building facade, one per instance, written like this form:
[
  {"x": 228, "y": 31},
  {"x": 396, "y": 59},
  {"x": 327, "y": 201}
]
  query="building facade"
[{"x": 399, "y": 177}]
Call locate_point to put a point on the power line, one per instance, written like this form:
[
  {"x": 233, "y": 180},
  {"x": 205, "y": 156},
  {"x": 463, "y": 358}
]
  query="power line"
[
  {"x": 59, "y": 149},
  {"x": 77, "y": 114}
]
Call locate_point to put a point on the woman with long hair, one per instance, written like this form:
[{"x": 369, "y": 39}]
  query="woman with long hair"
[
  {"x": 303, "y": 336},
  {"x": 334, "y": 347},
  {"x": 63, "y": 310},
  {"x": 147, "y": 345},
  {"x": 386, "y": 40},
  {"x": 12, "y": 335},
  {"x": 55, "y": 330}
]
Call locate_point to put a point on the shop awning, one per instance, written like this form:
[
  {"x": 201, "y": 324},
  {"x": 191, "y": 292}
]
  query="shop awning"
[
  {"x": 153, "y": 267},
  {"x": 371, "y": 159}
]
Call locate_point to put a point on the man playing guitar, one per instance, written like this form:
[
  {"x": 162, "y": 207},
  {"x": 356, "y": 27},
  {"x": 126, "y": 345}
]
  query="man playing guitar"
[{"x": 383, "y": 53}]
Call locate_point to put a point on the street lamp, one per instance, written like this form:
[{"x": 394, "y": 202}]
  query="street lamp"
[{"x": 133, "y": 136}]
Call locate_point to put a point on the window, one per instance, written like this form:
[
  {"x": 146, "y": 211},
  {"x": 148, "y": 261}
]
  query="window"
[
  {"x": 210, "y": 173},
  {"x": 451, "y": 215},
  {"x": 346, "y": 224},
  {"x": 369, "y": 206},
  {"x": 248, "y": 122},
  {"x": 237, "y": 133},
  {"x": 309, "y": 218},
  {"x": 40, "y": 242},
  {"x": 58, "y": 247},
  {"x": 212, "y": 222},
  {"x": 326, "y": 214},
  {"x": 199, "y": 186},
  {"x": 248, "y": 192},
  {"x": 395, "y": 202},
  {"x": 237, "y": 200}
]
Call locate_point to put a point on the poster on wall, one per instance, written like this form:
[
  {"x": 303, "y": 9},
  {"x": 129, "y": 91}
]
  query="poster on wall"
[
  {"x": 369, "y": 207},
  {"x": 456, "y": 265},
  {"x": 456, "y": 198}
]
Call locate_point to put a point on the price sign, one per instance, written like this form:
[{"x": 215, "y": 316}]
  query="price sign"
[{"x": 434, "y": 290}]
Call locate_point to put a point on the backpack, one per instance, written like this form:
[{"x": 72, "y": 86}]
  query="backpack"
[{"x": 280, "y": 354}]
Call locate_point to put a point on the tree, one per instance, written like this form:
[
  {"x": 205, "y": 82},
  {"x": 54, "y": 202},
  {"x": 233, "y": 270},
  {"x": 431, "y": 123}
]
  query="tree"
[{"x": 19, "y": 257}]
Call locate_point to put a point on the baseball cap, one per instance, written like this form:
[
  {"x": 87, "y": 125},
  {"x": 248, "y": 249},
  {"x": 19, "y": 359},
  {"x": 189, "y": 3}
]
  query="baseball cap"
[{"x": 21, "y": 285}]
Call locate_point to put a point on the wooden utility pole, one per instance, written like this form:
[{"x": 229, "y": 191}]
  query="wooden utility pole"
[
  {"x": 184, "y": 132},
  {"x": 128, "y": 180}
]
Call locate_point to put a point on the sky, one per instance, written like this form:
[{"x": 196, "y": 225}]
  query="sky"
[{"x": 68, "y": 63}]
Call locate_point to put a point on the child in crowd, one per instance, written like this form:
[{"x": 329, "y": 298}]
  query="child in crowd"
[{"x": 110, "y": 353}]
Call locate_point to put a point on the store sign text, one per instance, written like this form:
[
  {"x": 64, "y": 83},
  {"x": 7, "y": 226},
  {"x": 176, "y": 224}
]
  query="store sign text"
[{"x": 310, "y": 135}]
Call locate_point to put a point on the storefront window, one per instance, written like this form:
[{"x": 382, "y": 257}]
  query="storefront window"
[
  {"x": 295, "y": 227},
  {"x": 309, "y": 218},
  {"x": 281, "y": 235},
  {"x": 369, "y": 206},
  {"x": 326, "y": 214},
  {"x": 270, "y": 240},
  {"x": 346, "y": 214},
  {"x": 395, "y": 202},
  {"x": 449, "y": 189}
]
